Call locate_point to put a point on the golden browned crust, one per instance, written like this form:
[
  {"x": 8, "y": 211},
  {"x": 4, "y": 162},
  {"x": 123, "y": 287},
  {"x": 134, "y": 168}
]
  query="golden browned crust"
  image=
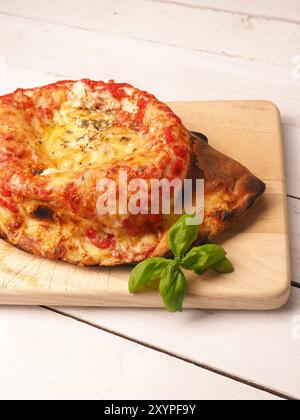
[
  {"x": 58, "y": 142},
  {"x": 52, "y": 141},
  {"x": 230, "y": 191},
  {"x": 230, "y": 188}
]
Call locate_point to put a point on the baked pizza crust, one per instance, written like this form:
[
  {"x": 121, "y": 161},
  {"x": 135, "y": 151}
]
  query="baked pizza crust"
[
  {"x": 231, "y": 190},
  {"x": 58, "y": 141}
]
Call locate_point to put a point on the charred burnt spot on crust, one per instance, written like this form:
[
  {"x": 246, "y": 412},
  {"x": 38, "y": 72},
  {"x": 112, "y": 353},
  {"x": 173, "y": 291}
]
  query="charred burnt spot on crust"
[
  {"x": 255, "y": 186},
  {"x": 3, "y": 236},
  {"x": 59, "y": 251},
  {"x": 225, "y": 215},
  {"x": 229, "y": 215},
  {"x": 43, "y": 213},
  {"x": 251, "y": 201},
  {"x": 202, "y": 239},
  {"x": 217, "y": 214},
  {"x": 37, "y": 171}
]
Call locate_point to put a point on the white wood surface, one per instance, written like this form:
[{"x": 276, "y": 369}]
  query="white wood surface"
[
  {"x": 259, "y": 347},
  {"x": 174, "y": 25},
  {"x": 178, "y": 52},
  {"x": 47, "y": 356}
]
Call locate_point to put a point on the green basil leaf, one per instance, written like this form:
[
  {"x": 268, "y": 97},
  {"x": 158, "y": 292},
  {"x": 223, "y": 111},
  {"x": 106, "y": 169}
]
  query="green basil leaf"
[
  {"x": 146, "y": 272},
  {"x": 215, "y": 253},
  {"x": 173, "y": 287},
  {"x": 224, "y": 266},
  {"x": 182, "y": 235},
  {"x": 203, "y": 257},
  {"x": 196, "y": 258}
]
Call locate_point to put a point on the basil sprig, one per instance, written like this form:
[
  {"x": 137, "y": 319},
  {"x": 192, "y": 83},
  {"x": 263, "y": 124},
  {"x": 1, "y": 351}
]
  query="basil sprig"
[
  {"x": 146, "y": 272},
  {"x": 183, "y": 234},
  {"x": 172, "y": 281},
  {"x": 172, "y": 287}
]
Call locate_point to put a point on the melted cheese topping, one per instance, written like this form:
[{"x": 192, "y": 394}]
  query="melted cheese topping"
[
  {"x": 80, "y": 139},
  {"x": 81, "y": 136}
]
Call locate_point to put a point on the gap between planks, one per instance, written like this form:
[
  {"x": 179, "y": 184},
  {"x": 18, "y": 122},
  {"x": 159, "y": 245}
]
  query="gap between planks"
[
  {"x": 292, "y": 196},
  {"x": 231, "y": 11},
  {"x": 175, "y": 356}
]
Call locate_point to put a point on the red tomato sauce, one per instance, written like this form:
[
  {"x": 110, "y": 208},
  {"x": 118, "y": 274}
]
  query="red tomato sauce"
[
  {"x": 107, "y": 243},
  {"x": 9, "y": 205}
]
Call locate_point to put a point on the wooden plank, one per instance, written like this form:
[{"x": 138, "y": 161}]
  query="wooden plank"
[
  {"x": 21, "y": 76},
  {"x": 220, "y": 33},
  {"x": 195, "y": 75},
  {"x": 245, "y": 130},
  {"x": 205, "y": 76},
  {"x": 264, "y": 8},
  {"x": 258, "y": 346},
  {"x": 46, "y": 356}
]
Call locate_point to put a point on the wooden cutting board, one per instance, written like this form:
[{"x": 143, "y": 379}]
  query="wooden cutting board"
[{"x": 248, "y": 131}]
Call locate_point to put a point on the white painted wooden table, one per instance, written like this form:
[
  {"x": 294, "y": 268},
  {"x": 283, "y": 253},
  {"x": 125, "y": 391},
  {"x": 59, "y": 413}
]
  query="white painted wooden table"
[{"x": 179, "y": 50}]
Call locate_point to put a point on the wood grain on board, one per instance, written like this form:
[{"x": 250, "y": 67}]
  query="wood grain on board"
[{"x": 249, "y": 131}]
